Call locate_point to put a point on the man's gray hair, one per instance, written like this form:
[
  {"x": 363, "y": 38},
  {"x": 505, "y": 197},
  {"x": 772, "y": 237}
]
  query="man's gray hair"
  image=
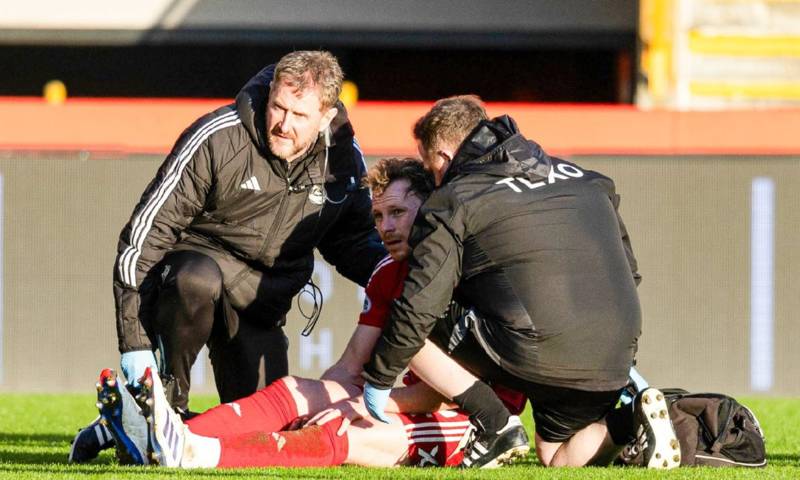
[{"x": 312, "y": 68}]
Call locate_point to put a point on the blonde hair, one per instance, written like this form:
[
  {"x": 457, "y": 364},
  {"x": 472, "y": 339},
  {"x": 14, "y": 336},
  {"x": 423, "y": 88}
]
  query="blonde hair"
[
  {"x": 449, "y": 122},
  {"x": 308, "y": 68},
  {"x": 387, "y": 170}
]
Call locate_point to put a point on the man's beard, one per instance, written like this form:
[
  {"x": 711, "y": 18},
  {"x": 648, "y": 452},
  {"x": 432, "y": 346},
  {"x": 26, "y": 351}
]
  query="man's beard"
[{"x": 285, "y": 151}]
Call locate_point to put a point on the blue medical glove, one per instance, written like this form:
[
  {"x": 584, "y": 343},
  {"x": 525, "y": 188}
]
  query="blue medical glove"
[
  {"x": 376, "y": 399},
  {"x": 133, "y": 365}
]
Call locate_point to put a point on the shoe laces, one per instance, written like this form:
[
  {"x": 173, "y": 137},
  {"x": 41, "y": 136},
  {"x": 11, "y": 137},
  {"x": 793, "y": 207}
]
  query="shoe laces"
[
  {"x": 641, "y": 440},
  {"x": 631, "y": 450},
  {"x": 473, "y": 438}
]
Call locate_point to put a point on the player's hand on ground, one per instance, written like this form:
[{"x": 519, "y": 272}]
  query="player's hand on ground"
[{"x": 350, "y": 410}]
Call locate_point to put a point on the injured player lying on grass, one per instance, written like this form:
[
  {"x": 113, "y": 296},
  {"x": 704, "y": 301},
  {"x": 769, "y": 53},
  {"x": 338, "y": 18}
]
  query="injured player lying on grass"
[
  {"x": 262, "y": 429},
  {"x": 249, "y": 433}
]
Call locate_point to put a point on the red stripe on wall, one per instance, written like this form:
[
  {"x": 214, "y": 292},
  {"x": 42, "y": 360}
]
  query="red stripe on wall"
[{"x": 384, "y": 128}]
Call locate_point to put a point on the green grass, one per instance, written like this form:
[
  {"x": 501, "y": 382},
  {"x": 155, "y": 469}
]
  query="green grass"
[{"x": 35, "y": 433}]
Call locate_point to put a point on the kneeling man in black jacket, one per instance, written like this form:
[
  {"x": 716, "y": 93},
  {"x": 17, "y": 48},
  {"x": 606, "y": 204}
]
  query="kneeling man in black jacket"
[{"x": 535, "y": 251}]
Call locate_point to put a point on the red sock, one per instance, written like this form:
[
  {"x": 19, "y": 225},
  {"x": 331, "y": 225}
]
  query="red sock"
[
  {"x": 270, "y": 409},
  {"x": 316, "y": 446}
]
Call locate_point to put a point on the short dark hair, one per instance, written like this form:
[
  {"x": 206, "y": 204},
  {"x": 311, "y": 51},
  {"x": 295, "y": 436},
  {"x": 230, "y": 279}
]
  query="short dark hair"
[
  {"x": 449, "y": 122},
  {"x": 387, "y": 170}
]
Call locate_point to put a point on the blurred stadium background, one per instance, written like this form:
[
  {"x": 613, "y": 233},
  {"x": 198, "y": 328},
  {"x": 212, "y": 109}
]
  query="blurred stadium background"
[{"x": 693, "y": 107}]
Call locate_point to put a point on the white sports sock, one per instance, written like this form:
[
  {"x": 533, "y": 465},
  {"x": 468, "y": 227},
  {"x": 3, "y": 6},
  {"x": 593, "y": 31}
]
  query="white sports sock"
[{"x": 199, "y": 451}]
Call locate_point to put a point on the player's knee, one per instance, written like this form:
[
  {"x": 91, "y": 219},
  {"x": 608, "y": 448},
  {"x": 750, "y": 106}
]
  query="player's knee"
[
  {"x": 544, "y": 459},
  {"x": 546, "y": 451},
  {"x": 289, "y": 381},
  {"x": 298, "y": 388},
  {"x": 197, "y": 278}
]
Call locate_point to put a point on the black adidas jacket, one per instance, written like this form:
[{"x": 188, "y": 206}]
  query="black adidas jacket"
[
  {"x": 222, "y": 193},
  {"x": 535, "y": 245}
]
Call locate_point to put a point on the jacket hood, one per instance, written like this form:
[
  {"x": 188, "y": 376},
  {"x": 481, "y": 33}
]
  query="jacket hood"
[
  {"x": 251, "y": 104},
  {"x": 496, "y": 147}
]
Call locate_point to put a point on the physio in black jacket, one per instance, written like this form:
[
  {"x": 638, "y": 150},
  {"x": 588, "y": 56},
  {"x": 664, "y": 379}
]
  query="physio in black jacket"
[
  {"x": 533, "y": 247},
  {"x": 223, "y": 237}
]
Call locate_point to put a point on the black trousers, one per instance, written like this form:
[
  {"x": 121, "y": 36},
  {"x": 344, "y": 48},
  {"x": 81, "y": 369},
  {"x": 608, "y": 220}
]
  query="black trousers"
[
  {"x": 558, "y": 412},
  {"x": 191, "y": 309}
]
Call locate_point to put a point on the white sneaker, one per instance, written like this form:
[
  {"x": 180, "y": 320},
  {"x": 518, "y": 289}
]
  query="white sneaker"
[
  {"x": 167, "y": 435},
  {"x": 122, "y": 417},
  {"x": 655, "y": 435}
]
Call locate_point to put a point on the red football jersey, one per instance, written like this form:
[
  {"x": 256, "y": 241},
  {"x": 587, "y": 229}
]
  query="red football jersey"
[{"x": 384, "y": 286}]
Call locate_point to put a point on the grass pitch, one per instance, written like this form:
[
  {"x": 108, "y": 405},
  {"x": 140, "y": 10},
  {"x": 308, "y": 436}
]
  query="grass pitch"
[{"x": 36, "y": 430}]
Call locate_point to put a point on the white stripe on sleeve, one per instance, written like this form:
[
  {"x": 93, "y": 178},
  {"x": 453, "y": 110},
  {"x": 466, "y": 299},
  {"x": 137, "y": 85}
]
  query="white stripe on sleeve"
[{"x": 143, "y": 220}]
